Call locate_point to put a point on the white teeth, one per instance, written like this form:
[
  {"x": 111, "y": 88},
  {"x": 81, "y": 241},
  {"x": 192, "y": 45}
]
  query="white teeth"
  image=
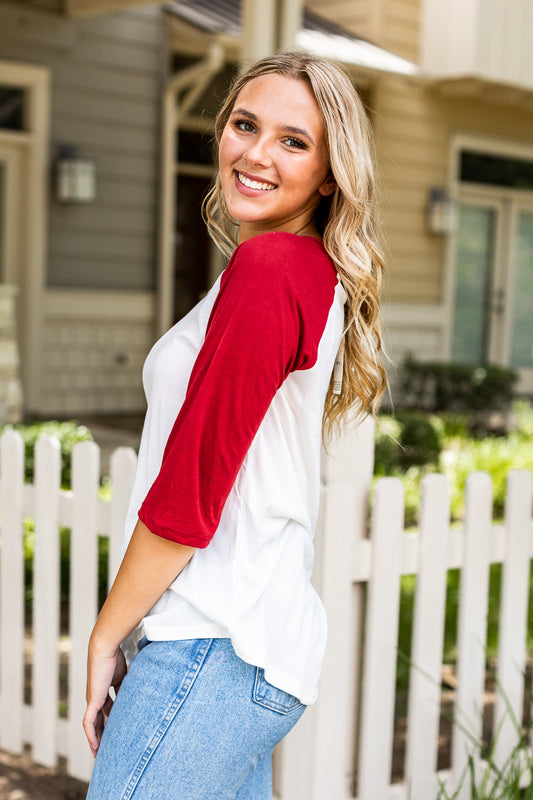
[{"x": 266, "y": 187}]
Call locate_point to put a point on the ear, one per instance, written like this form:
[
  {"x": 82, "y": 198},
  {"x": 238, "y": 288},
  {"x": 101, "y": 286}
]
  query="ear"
[{"x": 328, "y": 187}]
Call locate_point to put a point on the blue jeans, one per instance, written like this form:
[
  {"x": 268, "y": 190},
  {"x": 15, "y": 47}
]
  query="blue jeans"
[{"x": 192, "y": 721}]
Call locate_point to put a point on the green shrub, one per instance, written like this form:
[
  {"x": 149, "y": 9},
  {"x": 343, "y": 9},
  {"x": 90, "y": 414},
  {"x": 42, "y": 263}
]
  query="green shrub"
[
  {"x": 407, "y": 440},
  {"x": 387, "y": 445},
  {"x": 420, "y": 441},
  {"x": 68, "y": 433},
  {"x": 459, "y": 388}
]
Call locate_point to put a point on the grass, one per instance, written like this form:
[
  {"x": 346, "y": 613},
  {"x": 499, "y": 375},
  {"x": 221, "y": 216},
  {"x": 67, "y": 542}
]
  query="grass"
[{"x": 488, "y": 780}]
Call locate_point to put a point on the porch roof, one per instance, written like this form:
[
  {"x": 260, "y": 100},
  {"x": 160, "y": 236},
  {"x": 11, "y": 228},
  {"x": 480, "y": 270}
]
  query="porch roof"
[{"x": 317, "y": 35}]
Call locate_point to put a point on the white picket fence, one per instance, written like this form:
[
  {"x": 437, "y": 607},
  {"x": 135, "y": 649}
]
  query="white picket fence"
[{"x": 342, "y": 748}]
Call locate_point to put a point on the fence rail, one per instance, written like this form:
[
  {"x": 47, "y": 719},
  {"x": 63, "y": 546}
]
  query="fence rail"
[{"x": 342, "y": 748}]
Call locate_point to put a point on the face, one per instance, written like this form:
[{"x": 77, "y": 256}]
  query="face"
[{"x": 273, "y": 157}]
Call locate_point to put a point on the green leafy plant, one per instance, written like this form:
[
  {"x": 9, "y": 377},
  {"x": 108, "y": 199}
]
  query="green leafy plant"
[
  {"x": 68, "y": 433},
  {"x": 459, "y": 388}
]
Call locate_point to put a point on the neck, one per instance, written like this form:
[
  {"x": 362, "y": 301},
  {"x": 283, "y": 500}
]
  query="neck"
[{"x": 247, "y": 231}]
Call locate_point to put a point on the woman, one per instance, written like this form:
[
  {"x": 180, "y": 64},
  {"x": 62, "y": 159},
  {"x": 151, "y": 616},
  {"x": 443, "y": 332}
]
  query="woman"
[{"x": 219, "y": 549}]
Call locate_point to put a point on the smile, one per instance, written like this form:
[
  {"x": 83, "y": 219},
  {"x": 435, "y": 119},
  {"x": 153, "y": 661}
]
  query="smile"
[{"x": 264, "y": 187}]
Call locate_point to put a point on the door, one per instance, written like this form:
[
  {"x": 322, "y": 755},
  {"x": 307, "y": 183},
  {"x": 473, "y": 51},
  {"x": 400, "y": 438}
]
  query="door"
[{"x": 493, "y": 297}]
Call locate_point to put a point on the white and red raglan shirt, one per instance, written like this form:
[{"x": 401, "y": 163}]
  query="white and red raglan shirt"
[{"x": 229, "y": 460}]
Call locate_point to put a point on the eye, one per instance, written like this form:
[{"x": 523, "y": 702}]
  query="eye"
[
  {"x": 243, "y": 125},
  {"x": 292, "y": 142}
]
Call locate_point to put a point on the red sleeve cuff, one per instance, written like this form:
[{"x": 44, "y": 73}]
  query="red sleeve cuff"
[{"x": 173, "y": 535}]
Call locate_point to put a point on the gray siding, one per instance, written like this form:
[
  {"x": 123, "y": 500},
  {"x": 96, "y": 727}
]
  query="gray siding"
[{"x": 106, "y": 82}]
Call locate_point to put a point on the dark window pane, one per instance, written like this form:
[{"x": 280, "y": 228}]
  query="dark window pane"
[
  {"x": 195, "y": 147},
  {"x": 11, "y": 108},
  {"x": 191, "y": 245},
  {"x": 496, "y": 170}
]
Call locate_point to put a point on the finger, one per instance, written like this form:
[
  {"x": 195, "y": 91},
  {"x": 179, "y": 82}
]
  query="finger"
[{"x": 90, "y": 721}]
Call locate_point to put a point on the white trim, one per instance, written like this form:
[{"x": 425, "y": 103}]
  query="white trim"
[
  {"x": 413, "y": 316},
  {"x": 36, "y": 83},
  {"x": 86, "y": 304},
  {"x": 412, "y": 329},
  {"x": 17, "y": 138}
]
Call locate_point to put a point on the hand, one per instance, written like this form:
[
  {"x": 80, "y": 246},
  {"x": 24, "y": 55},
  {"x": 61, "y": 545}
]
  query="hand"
[{"x": 105, "y": 669}]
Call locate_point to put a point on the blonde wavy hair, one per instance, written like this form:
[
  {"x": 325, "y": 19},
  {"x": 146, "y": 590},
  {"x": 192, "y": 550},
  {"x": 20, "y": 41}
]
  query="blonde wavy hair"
[{"x": 346, "y": 220}]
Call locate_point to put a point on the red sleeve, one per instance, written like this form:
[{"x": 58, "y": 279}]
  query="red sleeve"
[{"x": 267, "y": 321}]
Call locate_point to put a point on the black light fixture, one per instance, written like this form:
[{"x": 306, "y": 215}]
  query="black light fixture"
[{"x": 75, "y": 176}]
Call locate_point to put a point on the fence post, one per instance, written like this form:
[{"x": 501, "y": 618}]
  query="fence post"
[
  {"x": 11, "y": 593},
  {"x": 318, "y": 756},
  {"x": 428, "y": 635},
  {"x": 381, "y": 641},
  {"x": 122, "y": 467},
  {"x": 513, "y": 616},
  {"x": 472, "y": 632},
  {"x": 83, "y": 595},
  {"x": 45, "y": 694}
]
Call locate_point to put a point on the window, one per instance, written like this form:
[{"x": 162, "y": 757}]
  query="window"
[
  {"x": 485, "y": 168},
  {"x": 11, "y": 108}
]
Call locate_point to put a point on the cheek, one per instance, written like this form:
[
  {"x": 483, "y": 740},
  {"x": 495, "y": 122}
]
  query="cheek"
[
  {"x": 311, "y": 177},
  {"x": 228, "y": 150}
]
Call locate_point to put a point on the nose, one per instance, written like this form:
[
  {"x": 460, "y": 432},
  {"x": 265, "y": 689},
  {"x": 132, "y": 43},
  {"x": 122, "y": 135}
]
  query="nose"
[{"x": 259, "y": 152}]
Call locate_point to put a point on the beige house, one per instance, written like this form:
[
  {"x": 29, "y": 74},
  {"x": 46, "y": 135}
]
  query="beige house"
[{"x": 105, "y": 112}]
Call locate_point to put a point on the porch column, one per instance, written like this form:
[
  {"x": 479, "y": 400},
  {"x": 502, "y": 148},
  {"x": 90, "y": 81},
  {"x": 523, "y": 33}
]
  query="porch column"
[
  {"x": 259, "y": 23},
  {"x": 268, "y": 26},
  {"x": 290, "y": 22}
]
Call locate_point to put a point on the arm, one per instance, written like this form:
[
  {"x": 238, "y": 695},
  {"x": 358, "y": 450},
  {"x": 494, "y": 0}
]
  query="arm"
[
  {"x": 266, "y": 322},
  {"x": 149, "y": 566}
]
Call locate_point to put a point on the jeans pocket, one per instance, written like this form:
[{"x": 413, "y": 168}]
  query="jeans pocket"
[{"x": 269, "y": 696}]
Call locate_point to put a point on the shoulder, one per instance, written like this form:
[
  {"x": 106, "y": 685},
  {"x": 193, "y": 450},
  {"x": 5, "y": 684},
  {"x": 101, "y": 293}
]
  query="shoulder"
[{"x": 284, "y": 257}]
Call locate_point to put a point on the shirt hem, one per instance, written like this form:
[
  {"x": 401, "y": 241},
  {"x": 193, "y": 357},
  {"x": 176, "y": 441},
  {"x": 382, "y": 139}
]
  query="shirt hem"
[
  {"x": 171, "y": 534},
  {"x": 210, "y": 630},
  {"x": 278, "y": 678}
]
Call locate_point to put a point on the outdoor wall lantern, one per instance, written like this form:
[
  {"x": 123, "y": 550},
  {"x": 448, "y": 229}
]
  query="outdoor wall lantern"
[
  {"x": 75, "y": 177},
  {"x": 441, "y": 211}
]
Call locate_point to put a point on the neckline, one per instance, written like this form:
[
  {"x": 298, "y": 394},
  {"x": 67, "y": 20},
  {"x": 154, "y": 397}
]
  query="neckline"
[{"x": 285, "y": 233}]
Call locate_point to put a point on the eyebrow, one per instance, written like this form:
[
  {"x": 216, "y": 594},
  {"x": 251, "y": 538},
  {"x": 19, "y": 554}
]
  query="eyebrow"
[{"x": 289, "y": 128}]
